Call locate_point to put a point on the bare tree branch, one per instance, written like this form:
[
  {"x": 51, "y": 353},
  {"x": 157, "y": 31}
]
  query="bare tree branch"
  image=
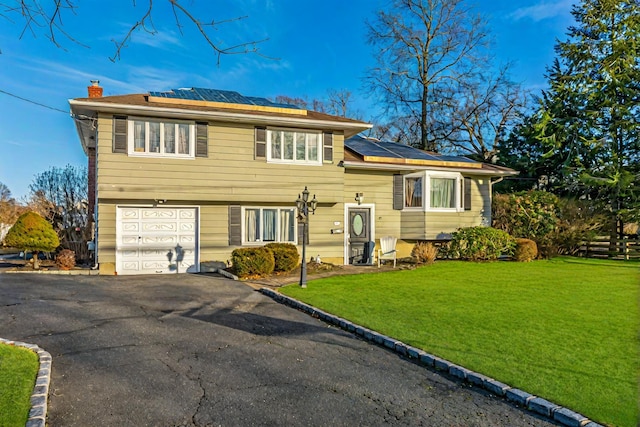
[
  {"x": 423, "y": 45},
  {"x": 44, "y": 17}
]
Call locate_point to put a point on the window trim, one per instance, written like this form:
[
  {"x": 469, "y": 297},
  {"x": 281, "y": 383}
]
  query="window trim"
[
  {"x": 319, "y": 147},
  {"x": 426, "y": 191},
  {"x": 131, "y": 138},
  {"x": 404, "y": 192},
  {"x": 243, "y": 224}
]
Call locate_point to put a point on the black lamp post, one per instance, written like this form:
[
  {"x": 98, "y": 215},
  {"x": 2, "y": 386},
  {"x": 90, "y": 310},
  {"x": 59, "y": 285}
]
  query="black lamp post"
[{"x": 304, "y": 206}]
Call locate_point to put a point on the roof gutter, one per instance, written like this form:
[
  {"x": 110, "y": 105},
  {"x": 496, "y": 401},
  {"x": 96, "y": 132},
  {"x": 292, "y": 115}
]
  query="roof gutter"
[
  {"x": 350, "y": 129},
  {"x": 393, "y": 167}
]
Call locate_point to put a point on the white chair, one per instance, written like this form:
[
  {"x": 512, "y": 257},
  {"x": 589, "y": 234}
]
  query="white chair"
[{"x": 387, "y": 249}]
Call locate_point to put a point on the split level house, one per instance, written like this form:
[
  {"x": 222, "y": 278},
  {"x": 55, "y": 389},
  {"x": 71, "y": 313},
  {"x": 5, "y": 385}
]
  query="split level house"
[{"x": 186, "y": 176}]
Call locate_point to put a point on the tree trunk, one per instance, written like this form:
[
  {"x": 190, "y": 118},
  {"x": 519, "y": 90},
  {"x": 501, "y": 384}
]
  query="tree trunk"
[{"x": 36, "y": 264}]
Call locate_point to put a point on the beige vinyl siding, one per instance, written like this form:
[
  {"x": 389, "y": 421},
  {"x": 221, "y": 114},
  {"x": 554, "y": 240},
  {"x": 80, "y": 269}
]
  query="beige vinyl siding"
[
  {"x": 377, "y": 187},
  {"x": 228, "y": 174},
  {"x": 439, "y": 225},
  {"x": 214, "y": 233},
  {"x": 408, "y": 225},
  {"x": 321, "y": 241},
  {"x": 106, "y": 249}
]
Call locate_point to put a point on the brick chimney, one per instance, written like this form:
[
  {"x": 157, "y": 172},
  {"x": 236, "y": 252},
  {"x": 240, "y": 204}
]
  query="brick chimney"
[{"x": 95, "y": 91}]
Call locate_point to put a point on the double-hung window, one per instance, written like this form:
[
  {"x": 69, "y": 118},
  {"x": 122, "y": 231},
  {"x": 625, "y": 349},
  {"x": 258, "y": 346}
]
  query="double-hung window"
[
  {"x": 413, "y": 191},
  {"x": 161, "y": 138},
  {"x": 293, "y": 146},
  {"x": 433, "y": 191},
  {"x": 265, "y": 225}
]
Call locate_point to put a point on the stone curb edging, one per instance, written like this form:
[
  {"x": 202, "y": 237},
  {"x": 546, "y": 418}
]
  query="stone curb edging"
[
  {"x": 38, "y": 411},
  {"x": 519, "y": 397},
  {"x": 81, "y": 272}
]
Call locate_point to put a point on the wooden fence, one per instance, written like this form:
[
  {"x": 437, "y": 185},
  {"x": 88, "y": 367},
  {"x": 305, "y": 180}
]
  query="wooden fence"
[{"x": 604, "y": 247}]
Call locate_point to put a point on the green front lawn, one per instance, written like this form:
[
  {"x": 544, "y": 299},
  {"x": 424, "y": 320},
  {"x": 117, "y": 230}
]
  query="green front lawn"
[
  {"x": 18, "y": 369},
  {"x": 564, "y": 329}
]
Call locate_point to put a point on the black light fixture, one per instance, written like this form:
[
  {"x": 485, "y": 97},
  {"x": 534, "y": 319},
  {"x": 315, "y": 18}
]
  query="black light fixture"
[
  {"x": 359, "y": 198},
  {"x": 305, "y": 206}
]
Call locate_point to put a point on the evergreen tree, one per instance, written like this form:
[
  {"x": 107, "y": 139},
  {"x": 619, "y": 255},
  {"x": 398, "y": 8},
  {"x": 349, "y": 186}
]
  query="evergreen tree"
[
  {"x": 589, "y": 118},
  {"x": 31, "y": 232}
]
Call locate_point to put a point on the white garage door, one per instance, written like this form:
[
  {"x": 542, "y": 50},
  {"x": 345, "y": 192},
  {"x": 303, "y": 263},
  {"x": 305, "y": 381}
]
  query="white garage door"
[{"x": 156, "y": 240}]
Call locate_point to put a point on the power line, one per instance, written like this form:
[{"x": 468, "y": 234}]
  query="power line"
[{"x": 33, "y": 102}]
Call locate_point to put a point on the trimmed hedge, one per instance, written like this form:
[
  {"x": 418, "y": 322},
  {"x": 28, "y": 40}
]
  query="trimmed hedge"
[
  {"x": 480, "y": 244},
  {"x": 285, "y": 255},
  {"x": 253, "y": 261}
]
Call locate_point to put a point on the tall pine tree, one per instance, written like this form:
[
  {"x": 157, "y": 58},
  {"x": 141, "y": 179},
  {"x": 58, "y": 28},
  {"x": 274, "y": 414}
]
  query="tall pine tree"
[{"x": 590, "y": 116}]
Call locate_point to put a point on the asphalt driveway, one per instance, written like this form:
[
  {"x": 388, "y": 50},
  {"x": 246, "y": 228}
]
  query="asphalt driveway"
[{"x": 197, "y": 350}]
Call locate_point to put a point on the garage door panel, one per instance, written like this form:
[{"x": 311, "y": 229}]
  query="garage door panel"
[
  {"x": 160, "y": 241},
  {"x": 186, "y": 240},
  {"x": 155, "y": 266},
  {"x": 162, "y": 227},
  {"x": 159, "y": 213},
  {"x": 130, "y": 213},
  {"x": 131, "y": 266},
  {"x": 149, "y": 240},
  {"x": 130, "y": 227},
  {"x": 130, "y": 253},
  {"x": 129, "y": 240},
  {"x": 160, "y": 253},
  {"x": 187, "y": 227},
  {"x": 187, "y": 213}
]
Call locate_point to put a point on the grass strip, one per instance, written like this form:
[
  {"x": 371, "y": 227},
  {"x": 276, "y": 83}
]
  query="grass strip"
[
  {"x": 564, "y": 329},
  {"x": 18, "y": 369}
]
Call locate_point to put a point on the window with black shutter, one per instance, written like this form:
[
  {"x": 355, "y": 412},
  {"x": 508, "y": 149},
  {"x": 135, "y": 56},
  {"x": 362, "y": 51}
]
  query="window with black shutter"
[
  {"x": 202, "y": 139},
  {"x": 398, "y": 192},
  {"x": 261, "y": 143},
  {"x": 467, "y": 194},
  {"x": 327, "y": 144},
  {"x": 120, "y": 136},
  {"x": 235, "y": 225}
]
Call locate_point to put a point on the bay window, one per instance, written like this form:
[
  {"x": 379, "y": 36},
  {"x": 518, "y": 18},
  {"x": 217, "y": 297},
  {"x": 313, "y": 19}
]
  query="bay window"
[{"x": 433, "y": 191}]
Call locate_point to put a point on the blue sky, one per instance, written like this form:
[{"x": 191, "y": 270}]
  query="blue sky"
[{"x": 320, "y": 46}]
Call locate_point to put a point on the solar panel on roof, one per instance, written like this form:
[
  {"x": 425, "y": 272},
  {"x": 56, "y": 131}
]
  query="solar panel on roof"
[
  {"x": 217, "y": 95},
  {"x": 457, "y": 159},
  {"x": 367, "y": 147},
  {"x": 407, "y": 151}
]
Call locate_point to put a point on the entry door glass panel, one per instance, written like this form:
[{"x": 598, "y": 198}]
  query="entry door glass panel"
[{"x": 359, "y": 233}]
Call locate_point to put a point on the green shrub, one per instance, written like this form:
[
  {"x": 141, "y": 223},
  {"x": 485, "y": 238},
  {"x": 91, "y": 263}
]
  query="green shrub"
[
  {"x": 579, "y": 221},
  {"x": 424, "y": 252},
  {"x": 253, "y": 261},
  {"x": 31, "y": 232},
  {"x": 532, "y": 214},
  {"x": 526, "y": 250},
  {"x": 285, "y": 255},
  {"x": 480, "y": 243},
  {"x": 558, "y": 226}
]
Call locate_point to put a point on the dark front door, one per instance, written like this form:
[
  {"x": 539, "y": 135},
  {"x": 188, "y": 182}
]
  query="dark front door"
[{"x": 359, "y": 235}]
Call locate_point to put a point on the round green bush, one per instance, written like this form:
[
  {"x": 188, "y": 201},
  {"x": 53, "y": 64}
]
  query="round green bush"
[
  {"x": 526, "y": 250},
  {"x": 253, "y": 261},
  {"x": 285, "y": 255},
  {"x": 31, "y": 232},
  {"x": 480, "y": 244}
]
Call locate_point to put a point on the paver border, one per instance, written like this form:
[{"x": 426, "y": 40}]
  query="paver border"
[
  {"x": 40, "y": 394},
  {"x": 521, "y": 398}
]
